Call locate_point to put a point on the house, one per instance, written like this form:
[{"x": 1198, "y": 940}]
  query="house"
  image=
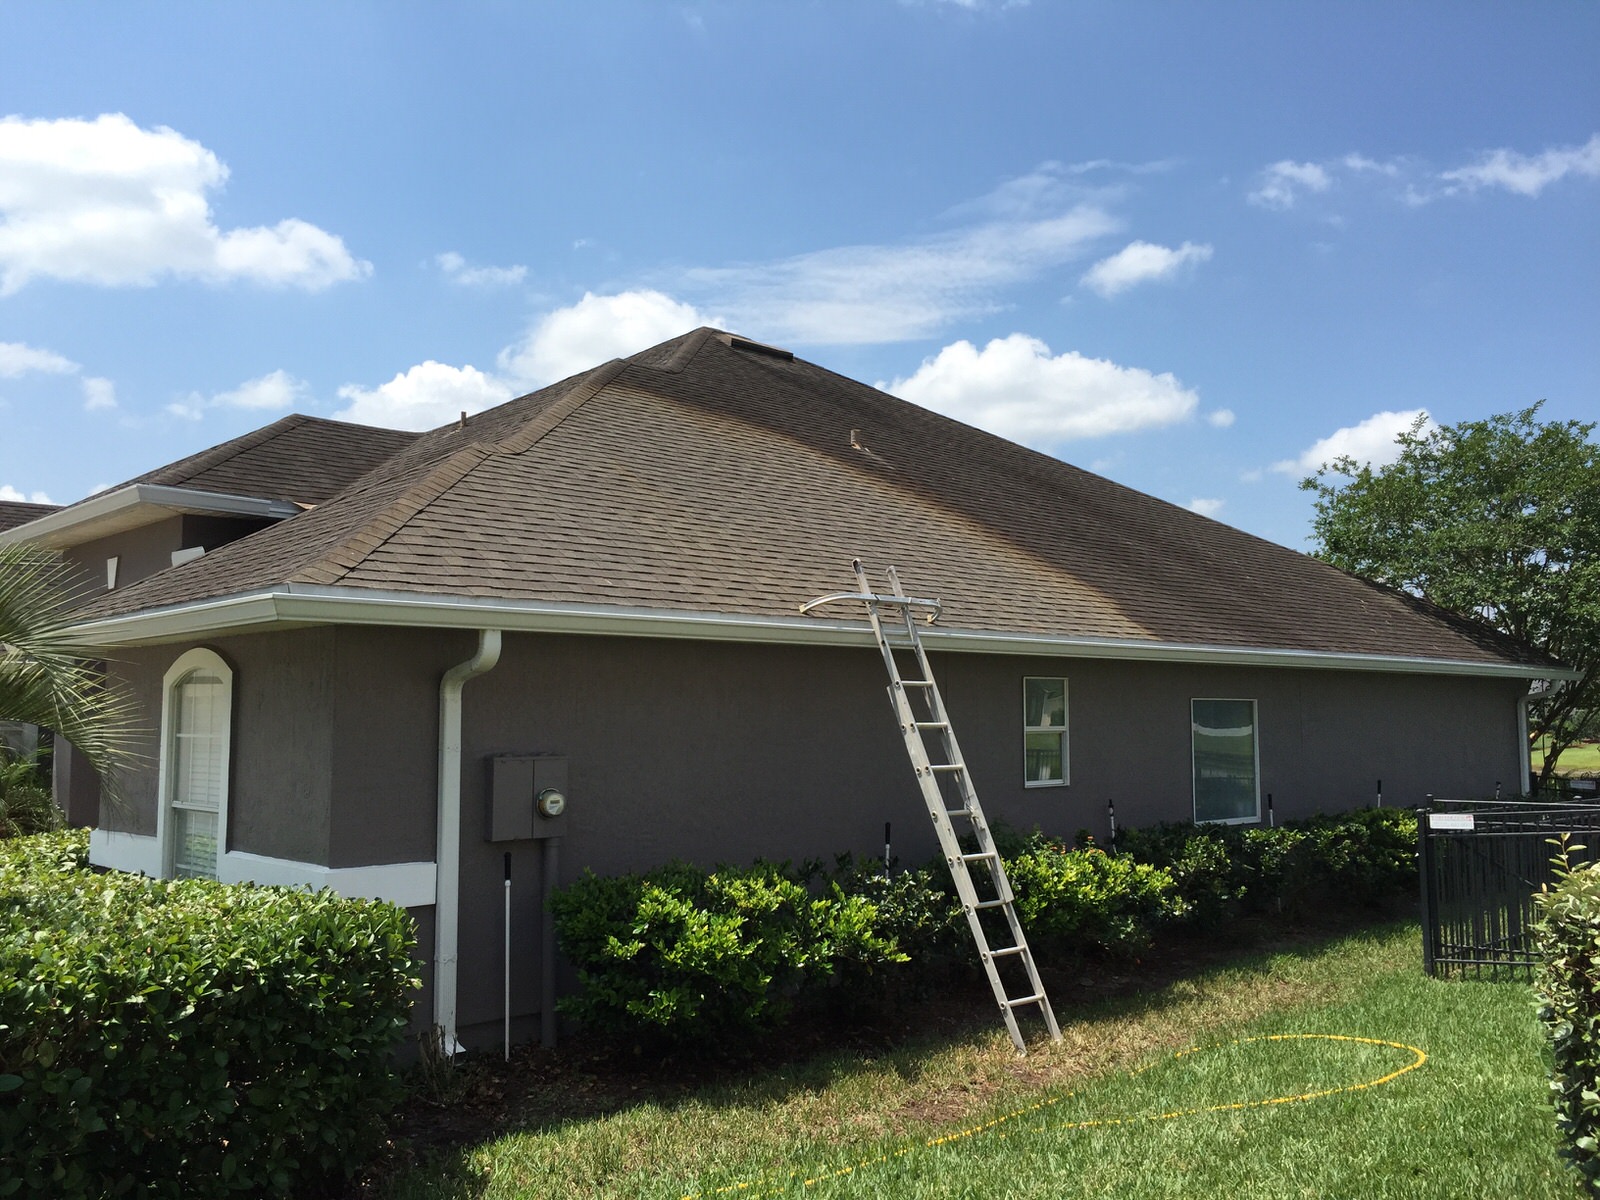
[{"x": 352, "y": 642}]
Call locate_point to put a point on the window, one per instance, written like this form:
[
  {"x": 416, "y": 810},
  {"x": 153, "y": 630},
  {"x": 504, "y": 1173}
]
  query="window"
[
  {"x": 1227, "y": 766},
  {"x": 1044, "y": 732},
  {"x": 196, "y": 711}
]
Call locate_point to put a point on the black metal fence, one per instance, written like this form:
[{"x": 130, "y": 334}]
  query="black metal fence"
[{"x": 1482, "y": 862}]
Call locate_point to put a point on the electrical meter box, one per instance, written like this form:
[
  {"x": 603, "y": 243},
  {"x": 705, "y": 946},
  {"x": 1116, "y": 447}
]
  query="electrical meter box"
[{"x": 527, "y": 797}]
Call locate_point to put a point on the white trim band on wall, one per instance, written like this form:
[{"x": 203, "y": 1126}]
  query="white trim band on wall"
[{"x": 410, "y": 885}]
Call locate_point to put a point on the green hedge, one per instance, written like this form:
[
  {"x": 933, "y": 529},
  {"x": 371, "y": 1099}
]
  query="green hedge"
[
  {"x": 684, "y": 954},
  {"x": 709, "y": 958},
  {"x": 1569, "y": 988},
  {"x": 1364, "y": 858},
  {"x": 188, "y": 1038}
]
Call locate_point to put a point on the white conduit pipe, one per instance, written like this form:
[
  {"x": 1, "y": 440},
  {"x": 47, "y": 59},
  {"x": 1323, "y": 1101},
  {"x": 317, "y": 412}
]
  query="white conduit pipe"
[{"x": 447, "y": 897}]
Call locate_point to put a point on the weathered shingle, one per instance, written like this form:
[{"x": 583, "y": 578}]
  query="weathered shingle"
[
  {"x": 708, "y": 476},
  {"x": 17, "y": 512}
]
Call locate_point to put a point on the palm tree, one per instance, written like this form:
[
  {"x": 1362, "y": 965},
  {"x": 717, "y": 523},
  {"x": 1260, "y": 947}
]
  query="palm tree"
[{"x": 44, "y": 679}]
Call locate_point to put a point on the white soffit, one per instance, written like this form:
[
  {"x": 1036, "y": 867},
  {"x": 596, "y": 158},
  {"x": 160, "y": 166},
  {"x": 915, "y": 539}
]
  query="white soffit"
[
  {"x": 134, "y": 506},
  {"x": 302, "y": 605}
]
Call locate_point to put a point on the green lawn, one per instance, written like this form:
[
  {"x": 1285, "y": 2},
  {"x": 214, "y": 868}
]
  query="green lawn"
[
  {"x": 1578, "y": 760},
  {"x": 1114, "y": 1110}
]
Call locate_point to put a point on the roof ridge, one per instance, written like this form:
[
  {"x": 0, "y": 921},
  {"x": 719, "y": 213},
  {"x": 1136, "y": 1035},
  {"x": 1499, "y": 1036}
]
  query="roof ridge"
[
  {"x": 540, "y": 425},
  {"x": 353, "y": 548},
  {"x": 685, "y": 354},
  {"x": 223, "y": 451}
]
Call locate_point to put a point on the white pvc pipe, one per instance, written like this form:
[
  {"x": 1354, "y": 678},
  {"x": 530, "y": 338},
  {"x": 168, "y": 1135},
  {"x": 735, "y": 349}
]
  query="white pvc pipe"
[{"x": 447, "y": 900}]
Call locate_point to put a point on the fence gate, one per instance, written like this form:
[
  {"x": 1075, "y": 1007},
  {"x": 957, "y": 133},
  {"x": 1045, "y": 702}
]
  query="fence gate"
[{"x": 1481, "y": 864}]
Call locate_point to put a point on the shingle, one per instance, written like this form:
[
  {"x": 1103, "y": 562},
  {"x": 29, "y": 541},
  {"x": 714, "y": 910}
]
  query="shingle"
[
  {"x": 706, "y": 476},
  {"x": 17, "y": 512}
]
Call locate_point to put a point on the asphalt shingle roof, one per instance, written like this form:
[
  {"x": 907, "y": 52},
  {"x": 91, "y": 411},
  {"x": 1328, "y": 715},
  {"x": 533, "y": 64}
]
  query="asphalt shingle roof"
[
  {"x": 17, "y": 512},
  {"x": 711, "y": 475},
  {"x": 298, "y": 458}
]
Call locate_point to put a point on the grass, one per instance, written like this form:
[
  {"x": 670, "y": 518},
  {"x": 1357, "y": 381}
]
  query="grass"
[
  {"x": 1575, "y": 760},
  {"x": 963, "y": 1116}
]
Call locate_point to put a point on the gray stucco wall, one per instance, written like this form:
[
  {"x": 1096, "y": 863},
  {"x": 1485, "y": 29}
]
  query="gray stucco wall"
[{"x": 721, "y": 752}]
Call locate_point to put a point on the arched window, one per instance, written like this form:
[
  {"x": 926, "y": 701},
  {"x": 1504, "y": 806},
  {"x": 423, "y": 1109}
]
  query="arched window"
[{"x": 196, "y": 720}]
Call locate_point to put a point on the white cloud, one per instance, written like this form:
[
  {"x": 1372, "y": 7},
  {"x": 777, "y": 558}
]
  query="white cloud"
[
  {"x": 594, "y": 330},
  {"x": 279, "y": 390},
  {"x": 1142, "y": 262},
  {"x": 12, "y": 495},
  {"x": 99, "y": 393},
  {"x": 1372, "y": 441},
  {"x": 424, "y": 397},
  {"x": 18, "y": 359},
  {"x": 273, "y": 392},
  {"x": 457, "y": 271},
  {"x": 1526, "y": 175},
  {"x": 891, "y": 293},
  {"x": 106, "y": 202},
  {"x": 560, "y": 343},
  {"x": 1222, "y": 418},
  {"x": 1016, "y": 388},
  {"x": 1283, "y": 182},
  {"x": 1206, "y": 508}
]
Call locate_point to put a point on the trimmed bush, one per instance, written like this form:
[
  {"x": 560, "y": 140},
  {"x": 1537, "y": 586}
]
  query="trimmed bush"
[
  {"x": 186, "y": 1038},
  {"x": 685, "y": 955},
  {"x": 1089, "y": 900},
  {"x": 1366, "y": 857},
  {"x": 1569, "y": 988}
]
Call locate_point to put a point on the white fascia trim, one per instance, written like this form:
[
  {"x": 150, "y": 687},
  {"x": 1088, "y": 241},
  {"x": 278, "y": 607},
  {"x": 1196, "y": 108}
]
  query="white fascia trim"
[
  {"x": 135, "y": 505},
  {"x": 410, "y": 885},
  {"x": 303, "y": 604}
]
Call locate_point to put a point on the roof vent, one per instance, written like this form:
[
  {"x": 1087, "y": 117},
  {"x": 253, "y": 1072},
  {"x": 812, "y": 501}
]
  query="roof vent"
[{"x": 744, "y": 343}]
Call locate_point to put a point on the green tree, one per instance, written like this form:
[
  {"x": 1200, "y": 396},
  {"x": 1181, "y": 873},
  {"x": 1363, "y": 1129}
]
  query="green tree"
[
  {"x": 44, "y": 679},
  {"x": 1498, "y": 520}
]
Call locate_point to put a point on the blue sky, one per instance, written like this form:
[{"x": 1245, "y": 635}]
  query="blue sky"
[{"x": 1196, "y": 248}]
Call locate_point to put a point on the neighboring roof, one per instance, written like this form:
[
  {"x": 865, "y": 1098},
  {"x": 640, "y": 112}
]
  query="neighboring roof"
[
  {"x": 272, "y": 472},
  {"x": 15, "y": 512},
  {"x": 714, "y": 477},
  {"x": 301, "y": 459}
]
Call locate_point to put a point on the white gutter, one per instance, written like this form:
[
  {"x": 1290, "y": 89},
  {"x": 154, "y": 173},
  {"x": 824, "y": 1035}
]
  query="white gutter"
[
  {"x": 447, "y": 906},
  {"x": 134, "y": 506},
  {"x": 302, "y": 604}
]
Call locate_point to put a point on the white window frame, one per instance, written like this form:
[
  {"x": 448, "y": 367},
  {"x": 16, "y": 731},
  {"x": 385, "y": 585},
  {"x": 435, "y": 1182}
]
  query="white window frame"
[
  {"x": 1066, "y": 743},
  {"x": 191, "y": 660},
  {"x": 1255, "y": 740}
]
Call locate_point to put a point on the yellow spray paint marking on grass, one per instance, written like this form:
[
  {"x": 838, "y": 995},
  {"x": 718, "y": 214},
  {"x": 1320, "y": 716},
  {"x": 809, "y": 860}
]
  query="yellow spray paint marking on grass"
[{"x": 771, "y": 1187}]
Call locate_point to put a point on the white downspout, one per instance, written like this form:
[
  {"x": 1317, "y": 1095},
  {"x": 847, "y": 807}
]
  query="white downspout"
[
  {"x": 1522, "y": 741},
  {"x": 447, "y": 857}
]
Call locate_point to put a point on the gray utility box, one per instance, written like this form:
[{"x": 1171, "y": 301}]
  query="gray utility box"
[{"x": 515, "y": 784}]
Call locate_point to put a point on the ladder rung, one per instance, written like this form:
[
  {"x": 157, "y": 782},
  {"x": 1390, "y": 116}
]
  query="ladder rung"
[
  {"x": 916, "y": 683},
  {"x": 931, "y": 724},
  {"x": 947, "y": 766},
  {"x": 958, "y": 812},
  {"x": 979, "y": 856},
  {"x": 982, "y": 904},
  {"x": 1007, "y": 952},
  {"x": 1023, "y": 1001}
]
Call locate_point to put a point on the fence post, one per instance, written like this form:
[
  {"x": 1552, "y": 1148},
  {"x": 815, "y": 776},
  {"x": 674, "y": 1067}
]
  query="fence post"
[{"x": 1429, "y": 900}]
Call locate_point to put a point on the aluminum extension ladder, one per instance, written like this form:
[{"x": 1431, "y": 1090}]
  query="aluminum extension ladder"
[{"x": 988, "y": 889}]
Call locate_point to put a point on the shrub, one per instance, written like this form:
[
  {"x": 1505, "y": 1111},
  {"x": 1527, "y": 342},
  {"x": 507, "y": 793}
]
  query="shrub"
[
  {"x": 685, "y": 955},
  {"x": 188, "y": 1038},
  {"x": 1569, "y": 988},
  {"x": 26, "y": 806},
  {"x": 1089, "y": 900},
  {"x": 1365, "y": 857}
]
